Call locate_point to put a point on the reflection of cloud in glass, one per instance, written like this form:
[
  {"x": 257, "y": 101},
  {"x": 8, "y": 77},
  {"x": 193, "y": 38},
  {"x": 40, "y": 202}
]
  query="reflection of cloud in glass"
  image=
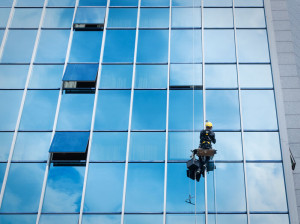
[
  {"x": 145, "y": 219},
  {"x": 257, "y": 17},
  {"x": 12, "y": 219},
  {"x": 106, "y": 219},
  {"x": 220, "y": 76},
  {"x": 230, "y": 219},
  {"x": 269, "y": 219},
  {"x": 229, "y": 146},
  {"x": 184, "y": 219},
  {"x": 5, "y": 142}
]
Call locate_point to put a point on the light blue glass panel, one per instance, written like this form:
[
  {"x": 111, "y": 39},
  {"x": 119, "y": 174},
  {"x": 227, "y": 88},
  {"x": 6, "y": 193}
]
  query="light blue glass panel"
[
  {"x": 186, "y": 17},
  {"x": 252, "y": 46},
  {"x": 39, "y": 110},
  {"x": 135, "y": 219},
  {"x": 46, "y": 76},
  {"x": 14, "y": 219},
  {"x": 6, "y": 3},
  {"x": 257, "y": 16},
  {"x": 5, "y": 142},
  {"x": 104, "y": 189},
  {"x": 92, "y": 2},
  {"x": 181, "y": 144},
  {"x": 124, "y": 2},
  {"x": 186, "y": 46},
  {"x": 230, "y": 218},
  {"x": 266, "y": 190},
  {"x": 154, "y": 18},
  {"x": 218, "y": 17},
  {"x": 30, "y": 3},
  {"x": 186, "y": 3},
  {"x": 58, "y": 18},
  {"x": 4, "y": 14},
  {"x": 109, "y": 146},
  {"x": 179, "y": 187},
  {"x": 75, "y": 112},
  {"x": 96, "y": 219},
  {"x": 23, "y": 188},
  {"x": 90, "y": 15},
  {"x": 269, "y": 218},
  {"x": 86, "y": 46},
  {"x": 222, "y": 109},
  {"x": 64, "y": 189},
  {"x": 255, "y": 76},
  {"x": 119, "y": 46},
  {"x": 19, "y": 46},
  {"x": 258, "y": 108},
  {"x": 116, "y": 77},
  {"x": 219, "y": 46},
  {"x": 122, "y": 17},
  {"x": 229, "y": 146},
  {"x": 185, "y": 74},
  {"x": 185, "y": 218},
  {"x": 9, "y": 113},
  {"x": 32, "y": 146},
  {"x": 262, "y": 146},
  {"x": 221, "y": 76},
  {"x": 155, "y": 3},
  {"x": 13, "y": 76},
  {"x": 247, "y": 3},
  {"x": 81, "y": 72},
  {"x": 51, "y": 218},
  {"x": 2, "y": 171},
  {"x": 61, "y": 2},
  {"x": 26, "y": 18},
  {"x": 142, "y": 179},
  {"x": 113, "y": 110},
  {"x": 217, "y": 3},
  {"x": 147, "y": 146},
  {"x": 149, "y": 110},
  {"x": 151, "y": 76},
  {"x": 153, "y": 46},
  {"x": 229, "y": 197},
  {"x": 52, "y": 46},
  {"x": 186, "y": 110},
  {"x": 1, "y": 35}
]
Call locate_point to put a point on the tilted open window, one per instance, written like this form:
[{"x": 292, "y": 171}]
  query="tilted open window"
[{"x": 89, "y": 19}]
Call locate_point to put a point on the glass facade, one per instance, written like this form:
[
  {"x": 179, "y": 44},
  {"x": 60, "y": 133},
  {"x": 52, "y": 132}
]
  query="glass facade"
[{"x": 165, "y": 66}]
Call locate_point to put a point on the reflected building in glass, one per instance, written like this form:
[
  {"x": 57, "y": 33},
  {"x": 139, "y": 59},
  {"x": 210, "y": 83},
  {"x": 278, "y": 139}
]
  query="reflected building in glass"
[{"x": 121, "y": 130}]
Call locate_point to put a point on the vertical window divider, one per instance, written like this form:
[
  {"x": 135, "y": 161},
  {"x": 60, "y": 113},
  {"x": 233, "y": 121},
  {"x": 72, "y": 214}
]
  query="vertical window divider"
[
  {"x": 241, "y": 115},
  {"x": 130, "y": 110},
  {"x": 56, "y": 116},
  {"x": 94, "y": 113},
  {"x": 24, "y": 92}
]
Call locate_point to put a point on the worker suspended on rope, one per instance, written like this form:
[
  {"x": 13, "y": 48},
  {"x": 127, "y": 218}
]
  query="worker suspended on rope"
[{"x": 207, "y": 136}]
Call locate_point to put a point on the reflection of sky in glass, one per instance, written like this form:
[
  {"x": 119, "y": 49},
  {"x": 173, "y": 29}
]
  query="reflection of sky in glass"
[
  {"x": 104, "y": 189},
  {"x": 186, "y": 17},
  {"x": 266, "y": 191},
  {"x": 154, "y": 18},
  {"x": 184, "y": 219},
  {"x": 61, "y": 3},
  {"x": 5, "y": 142},
  {"x": 151, "y": 76},
  {"x": 220, "y": 76},
  {"x": 30, "y": 3},
  {"x": 155, "y": 2},
  {"x": 1, "y": 35},
  {"x": 217, "y": 3},
  {"x": 26, "y": 18},
  {"x": 269, "y": 219},
  {"x": 92, "y": 2},
  {"x": 248, "y": 3},
  {"x": 228, "y": 218},
  {"x": 58, "y": 18},
  {"x": 96, "y": 219},
  {"x": 257, "y": 18},
  {"x": 255, "y": 76},
  {"x": 145, "y": 187},
  {"x": 185, "y": 74},
  {"x": 116, "y": 76},
  {"x": 186, "y": 3},
  {"x": 2, "y": 171},
  {"x": 11, "y": 219},
  {"x": 50, "y": 219},
  {"x": 122, "y": 17},
  {"x": 229, "y": 146},
  {"x": 218, "y": 17},
  {"x": 145, "y": 219},
  {"x": 124, "y": 2},
  {"x": 13, "y": 76},
  {"x": 4, "y": 14}
]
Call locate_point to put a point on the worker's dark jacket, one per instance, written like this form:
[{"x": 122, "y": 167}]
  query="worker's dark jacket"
[{"x": 206, "y": 137}]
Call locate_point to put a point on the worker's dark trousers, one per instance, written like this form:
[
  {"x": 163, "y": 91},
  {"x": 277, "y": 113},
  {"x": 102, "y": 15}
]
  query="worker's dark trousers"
[{"x": 205, "y": 146}]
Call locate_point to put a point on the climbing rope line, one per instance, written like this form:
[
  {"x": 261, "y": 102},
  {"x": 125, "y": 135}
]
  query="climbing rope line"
[{"x": 215, "y": 191}]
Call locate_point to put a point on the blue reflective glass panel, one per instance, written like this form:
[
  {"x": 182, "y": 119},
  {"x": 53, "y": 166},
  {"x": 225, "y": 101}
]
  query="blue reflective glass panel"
[
  {"x": 13, "y": 219},
  {"x": 81, "y": 72},
  {"x": 109, "y": 146},
  {"x": 219, "y": 46},
  {"x": 124, "y": 2},
  {"x": 154, "y": 18},
  {"x": 52, "y": 46},
  {"x": 266, "y": 190},
  {"x": 23, "y": 188},
  {"x": 186, "y": 17},
  {"x": 229, "y": 197},
  {"x": 104, "y": 189},
  {"x": 218, "y": 17},
  {"x": 55, "y": 218},
  {"x": 5, "y": 142},
  {"x": 229, "y": 146},
  {"x": 255, "y": 76},
  {"x": 135, "y": 219},
  {"x": 259, "y": 110},
  {"x": 19, "y": 46},
  {"x": 6, "y": 3},
  {"x": 113, "y": 110},
  {"x": 9, "y": 113},
  {"x": 61, "y": 2},
  {"x": 178, "y": 188},
  {"x": 46, "y": 76},
  {"x": 257, "y": 18},
  {"x": 4, "y": 14},
  {"x": 246, "y": 3},
  {"x": 32, "y": 146},
  {"x": 86, "y": 46},
  {"x": 155, "y": 3},
  {"x": 217, "y": 3},
  {"x": 91, "y": 15},
  {"x": 149, "y": 110},
  {"x": 153, "y": 46},
  {"x": 58, "y": 18},
  {"x": 147, "y": 146},
  {"x": 186, "y": 46},
  {"x": 39, "y": 110},
  {"x": 221, "y": 76},
  {"x": 186, "y": 110},
  {"x": 267, "y": 148},
  {"x": 228, "y": 218},
  {"x": 122, "y": 17},
  {"x": 75, "y": 112},
  {"x": 1, "y": 35},
  {"x": 252, "y": 46},
  {"x": 64, "y": 189},
  {"x": 142, "y": 179},
  {"x": 13, "y": 76},
  {"x": 186, "y": 3},
  {"x": 30, "y": 3},
  {"x": 2, "y": 171},
  {"x": 222, "y": 109},
  {"x": 92, "y": 3},
  {"x": 269, "y": 218},
  {"x": 185, "y": 74},
  {"x": 151, "y": 76},
  {"x": 107, "y": 219},
  {"x": 185, "y": 218},
  {"x": 119, "y": 46},
  {"x": 116, "y": 77},
  {"x": 26, "y": 18}
]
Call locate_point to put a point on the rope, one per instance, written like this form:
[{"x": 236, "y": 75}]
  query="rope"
[{"x": 215, "y": 186}]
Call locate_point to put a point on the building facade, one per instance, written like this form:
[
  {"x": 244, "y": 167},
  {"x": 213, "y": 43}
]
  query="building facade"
[{"x": 102, "y": 101}]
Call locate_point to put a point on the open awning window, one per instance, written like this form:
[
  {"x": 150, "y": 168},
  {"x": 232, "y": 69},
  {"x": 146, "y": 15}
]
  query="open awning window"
[{"x": 89, "y": 18}]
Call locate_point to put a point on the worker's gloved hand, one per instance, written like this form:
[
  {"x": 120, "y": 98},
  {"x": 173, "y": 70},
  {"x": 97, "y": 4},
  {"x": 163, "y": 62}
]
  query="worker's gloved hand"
[{"x": 195, "y": 151}]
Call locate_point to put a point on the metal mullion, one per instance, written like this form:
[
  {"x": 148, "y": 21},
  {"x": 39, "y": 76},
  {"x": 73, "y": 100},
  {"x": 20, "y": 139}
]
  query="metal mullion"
[
  {"x": 55, "y": 119},
  {"x": 23, "y": 96},
  {"x": 130, "y": 111},
  {"x": 241, "y": 115},
  {"x": 94, "y": 115}
]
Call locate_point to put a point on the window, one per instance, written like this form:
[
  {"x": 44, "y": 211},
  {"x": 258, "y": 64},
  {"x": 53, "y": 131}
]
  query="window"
[
  {"x": 17, "y": 218},
  {"x": 56, "y": 218},
  {"x": 227, "y": 218},
  {"x": 257, "y": 16},
  {"x": 186, "y": 3},
  {"x": 217, "y": 3},
  {"x": 4, "y": 14},
  {"x": 246, "y": 3},
  {"x": 269, "y": 218},
  {"x": 108, "y": 219},
  {"x": 30, "y": 3},
  {"x": 58, "y": 18},
  {"x": 221, "y": 76},
  {"x": 1, "y": 35},
  {"x": 124, "y": 2},
  {"x": 154, "y": 18},
  {"x": 6, "y": 3},
  {"x": 184, "y": 218},
  {"x": 255, "y": 76},
  {"x": 122, "y": 17},
  {"x": 218, "y": 17},
  {"x": 116, "y": 77},
  {"x": 155, "y": 3},
  {"x": 26, "y": 18},
  {"x": 5, "y": 142},
  {"x": 142, "y": 218},
  {"x": 186, "y": 75},
  {"x": 61, "y": 3},
  {"x": 13, "y": 76},
  {"x": 186, "y": 17},
  {"x": 92, "y": 3},
  {"x": 89, "y": 18},
  {"x": 151, "y": 77}
]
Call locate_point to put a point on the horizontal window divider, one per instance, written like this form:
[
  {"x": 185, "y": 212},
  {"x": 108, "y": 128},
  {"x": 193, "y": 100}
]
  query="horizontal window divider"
[
  {"x": 242, "y": 7},
  {"x": 26, "y": 7},
  {"x": 59, "y": 7},
  {"x": 191, "y": 6},
  {"x": 218, "y": 28},
  {"x": 143, "y": 213},
  {"x": 213, "y": 7},
  {"x": 261, "y": 130},
  {"x": 60, "y": 213},
  {"x": 146, "y": 161},
  {"x": 18, "y": 213},
  {"x": 263, "y": 161},
  {"x": 153, "y": 28},
  {"x": 43, "y": 88},
  {"x": 7, "y": 131},
  {"x": 117, "y": 63},
  {"x": 211, "y": 161},
  {"x": 34, "y": 130},
  {"x": 195, "y": 87},
  {"x": 114, "y": 89},
  {"x": 110, "y": 130},
  {"x": 186, "y": 63},
  {"x": 3, "y": 161},
  {"x": 15, "y": 63},
  {"x": 150, "y": 88},
  {"x": 72, "y": 130},
  {"x": 56, "y": 28},
  {"x": 184, "y": 213},
  {"x": 12, "y": 89},
  {"x": 38, "y": 63},
  {"x": 221, "y": 88},
  {"x": 186, "y": 28},
  {"x": 251, "y": 28},
  {"x": 198, "y": 130},
  {"x": 268, "y": 212},
  {"x": 2, "y": 28},
  {"x": 91, "y": 6},
  {"x": 102, "y": 213},
  {"x": 83, "y": 63},
  {"x": 155, "y": 7},
  {"x": 229, "y": 213},
  {"x": 20, "y": 28},
  {"x": 103, "y": 161},
  {"x": 135, "y": 7},
  {"x": 253, "y": 63},
  {"x": 152, "y": 63},
  {"x": 220, "y": 63},
  {"x": 120, "y": 28},
  {"x": 29, "y": 161},
  {"x": 148, "y": 131},
  {"x": 257, "y": 88}
]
